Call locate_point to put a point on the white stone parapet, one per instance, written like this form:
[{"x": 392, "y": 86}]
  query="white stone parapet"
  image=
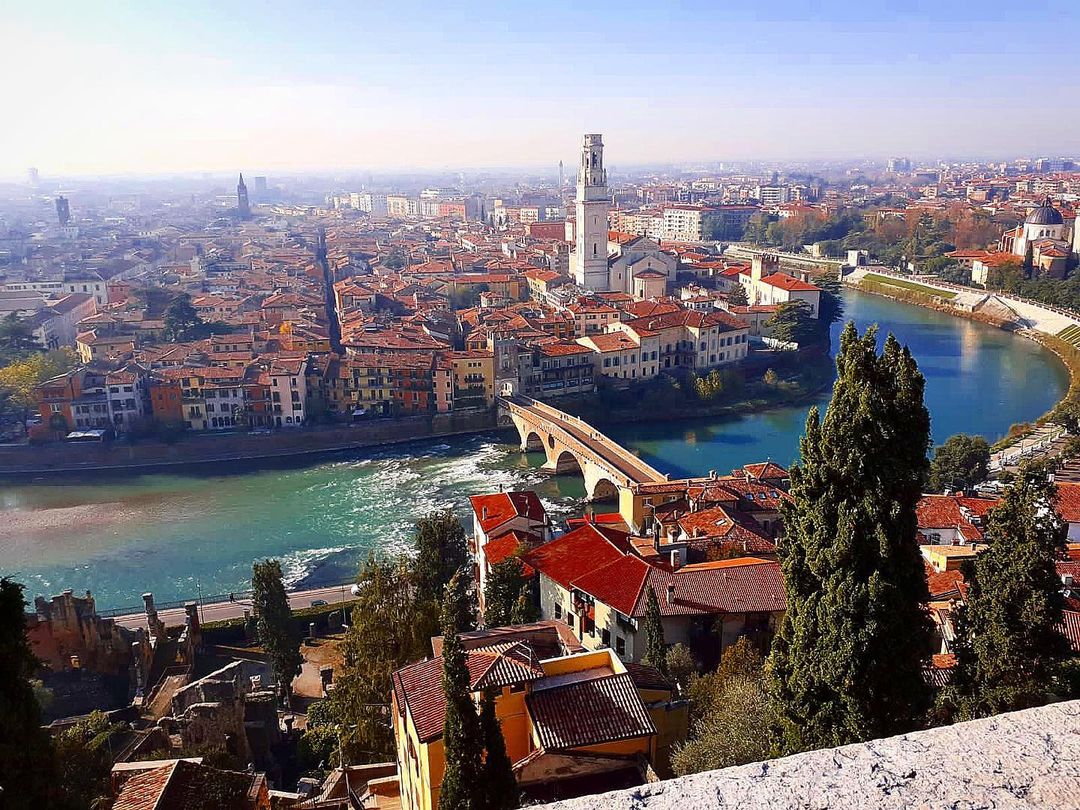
[{"x": 1023, "y": 759}]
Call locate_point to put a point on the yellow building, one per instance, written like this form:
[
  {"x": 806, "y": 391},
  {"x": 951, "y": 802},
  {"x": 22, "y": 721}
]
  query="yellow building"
[
  {"x": 474, "y": 378},
  {"x": 567, "y": 716}
]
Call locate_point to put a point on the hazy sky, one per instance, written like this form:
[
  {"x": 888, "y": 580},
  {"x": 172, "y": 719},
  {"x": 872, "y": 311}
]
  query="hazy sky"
[{"x": 103, "y": 87}]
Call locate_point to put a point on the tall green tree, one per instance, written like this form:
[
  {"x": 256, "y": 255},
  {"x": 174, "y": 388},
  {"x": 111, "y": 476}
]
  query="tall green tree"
[
  {"x": 499, "y": 785},
  {"x": 525, "y": 610},
  {"x": 16, "y": 338},
  {"x": 462, "y": 738},
  {"x": 27, "y": 764},
  {"x": 847, "y": 663},
  {"x": 182, "y": 321},
  {"x": 442, "y": 549},
  {"x": 737, "y": 296},
  {"x": 275, "y": 626},
  {"x": 1010, "y": 646},
  {"x": 383, "y": 636},
  {"x": 793, "y": 323},
  {"x": 961, "y": 463},
  {"x": 830, "y": 303},
  {"x": 655, "y": 646},
  {"x": 506, "y": 584}
]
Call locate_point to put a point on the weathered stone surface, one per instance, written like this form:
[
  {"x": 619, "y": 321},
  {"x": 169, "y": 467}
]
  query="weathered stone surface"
[{"x": 1021, "y": 759}]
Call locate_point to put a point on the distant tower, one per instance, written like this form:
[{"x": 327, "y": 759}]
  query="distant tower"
[
  {"x": 562, "y": 176},
  {"x": 242, "y": 199},
  {"x": 32, "y": 177},
  {"x": 590, "y": 265},
  {"x": 63, "y": 212},
  {"x": 260, "y": 188}
]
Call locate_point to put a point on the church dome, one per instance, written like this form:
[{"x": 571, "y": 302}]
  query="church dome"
[{"x": 1045, "y": 214}]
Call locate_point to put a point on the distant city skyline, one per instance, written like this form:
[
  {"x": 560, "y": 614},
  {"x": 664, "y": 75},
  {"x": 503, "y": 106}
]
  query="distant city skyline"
[{"x": 161, "y": 89}]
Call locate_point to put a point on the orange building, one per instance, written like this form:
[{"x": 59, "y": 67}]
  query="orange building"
[{"x": 572, "y": 721}]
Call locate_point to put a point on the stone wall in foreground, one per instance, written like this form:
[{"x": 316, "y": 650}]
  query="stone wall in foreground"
[{"x": 1021, "y": 759}]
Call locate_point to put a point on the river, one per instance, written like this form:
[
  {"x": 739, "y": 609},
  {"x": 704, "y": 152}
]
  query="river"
[{"x": 182, "y": 536}]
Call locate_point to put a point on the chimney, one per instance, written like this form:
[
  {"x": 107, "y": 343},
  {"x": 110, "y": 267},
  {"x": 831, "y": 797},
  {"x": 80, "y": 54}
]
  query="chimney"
[
  {"x": 483, "y": 513},
  {"x": 1067, "y": 580},
  {"x": 671, "y": 593},
  {"x": 676, "y": 564}
]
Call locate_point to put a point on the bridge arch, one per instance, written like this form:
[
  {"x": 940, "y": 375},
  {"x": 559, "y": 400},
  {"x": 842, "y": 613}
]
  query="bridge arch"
[
  {"x": 566, "y": 463},
  {"x": 604, "y": 490},
  {"x": 532, "y": 443}
]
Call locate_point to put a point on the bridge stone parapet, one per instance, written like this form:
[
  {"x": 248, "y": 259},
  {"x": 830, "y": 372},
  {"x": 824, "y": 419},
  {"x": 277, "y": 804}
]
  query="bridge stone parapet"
[{"x": 570, "y": 445}]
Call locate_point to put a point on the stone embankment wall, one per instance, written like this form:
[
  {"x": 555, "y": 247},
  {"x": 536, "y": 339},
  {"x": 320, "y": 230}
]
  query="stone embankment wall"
[
  {"x": 225, "y": 452},
  {"x": 1021, "y": 759}
]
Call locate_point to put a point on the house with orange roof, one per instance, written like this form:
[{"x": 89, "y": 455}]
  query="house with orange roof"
[
  {"x": 504, "y": 524},
  {"x": 573, "y": 722},
  {"x": 592, "y": 579},
  {"x": 766, "y": 284}
]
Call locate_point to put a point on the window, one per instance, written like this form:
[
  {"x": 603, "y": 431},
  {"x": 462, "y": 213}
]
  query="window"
[
  {"x": 558, "y": 611},
  {"x": 605, "y": 637},
  {"x": 620, "y": 645}
]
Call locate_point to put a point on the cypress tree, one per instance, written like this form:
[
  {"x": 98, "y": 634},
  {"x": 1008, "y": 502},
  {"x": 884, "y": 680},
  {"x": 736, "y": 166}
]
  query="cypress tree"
[
  {"x": 655, "y": 647},
  {"x": 462, "y": 741},
  {"x": 505, "y": 581},
  {"x": 27, "y": 765},
  {"x": 499, "y": 785},
  {"x": 442, "y": 550},
  {"x": 274, "y": 621},
  {"x": 847, "y": 663},
  {"x": 1010, "y": 648}
]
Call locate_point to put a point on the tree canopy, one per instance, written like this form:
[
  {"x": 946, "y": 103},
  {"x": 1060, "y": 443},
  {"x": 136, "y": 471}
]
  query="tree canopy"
[
  {"x": 847, "y": 664},
  {"x": 27, "y": 765},
  {"x": 274, "y": 622},
  {"x": 383, "y": 636},
  {"x": 463, "y": 747},
  {"x": 961, "y": 463},
  {"x": 1009, "y": 647},
  {"x": 793, "y": 323},
  {"x": 655, "y": 646},
  {"x": 506, "y": 585}
]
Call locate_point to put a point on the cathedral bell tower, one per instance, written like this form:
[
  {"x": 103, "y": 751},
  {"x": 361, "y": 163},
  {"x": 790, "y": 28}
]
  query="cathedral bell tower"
[
  {"x": 242, "y": 206},
  {"x": 591, "y": 226}
]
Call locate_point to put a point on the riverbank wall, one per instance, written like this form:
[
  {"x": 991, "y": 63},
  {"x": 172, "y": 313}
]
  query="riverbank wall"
[
  {"x": 232, "y": 452},
  {"x": 1037, "y": 322}
]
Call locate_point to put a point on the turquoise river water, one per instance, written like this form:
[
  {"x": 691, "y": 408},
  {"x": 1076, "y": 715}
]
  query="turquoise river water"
[{"x": 181, "y": 536}]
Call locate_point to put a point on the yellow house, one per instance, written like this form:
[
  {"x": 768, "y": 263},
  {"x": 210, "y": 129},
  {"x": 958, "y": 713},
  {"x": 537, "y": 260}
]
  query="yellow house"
[
  {"x": 474, "y": 378},
  {"x": 572, "y": 721}
]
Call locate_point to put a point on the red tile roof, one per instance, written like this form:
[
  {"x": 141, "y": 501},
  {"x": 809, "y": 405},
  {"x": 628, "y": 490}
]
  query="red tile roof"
[
  {"x": 183, "y": 784},
  {"x": 506, "y": 545},
  {"x": 1068, "y": 501},
  {"x": 589, "y": 712},
  {"x": 742, "y": 585},
  {"x": 418, "y": 687},
  {"x": 1070, "y": 628},
  {"x": 617, "y": 584},
  {"x": 496, "y": 509},
  {"x": 942, "y": 584},
  {"x": 578, "y": 553},
  {"x": 786, "y": 282}
]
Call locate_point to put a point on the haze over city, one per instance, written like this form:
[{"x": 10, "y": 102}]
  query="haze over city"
[
  {"x": 160, "y": 88},
  {"x": 477, "y": 406}
]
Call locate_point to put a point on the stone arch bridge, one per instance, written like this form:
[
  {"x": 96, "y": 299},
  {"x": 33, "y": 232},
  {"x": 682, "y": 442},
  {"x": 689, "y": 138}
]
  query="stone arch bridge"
[{"x": 572, "y": 445}]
